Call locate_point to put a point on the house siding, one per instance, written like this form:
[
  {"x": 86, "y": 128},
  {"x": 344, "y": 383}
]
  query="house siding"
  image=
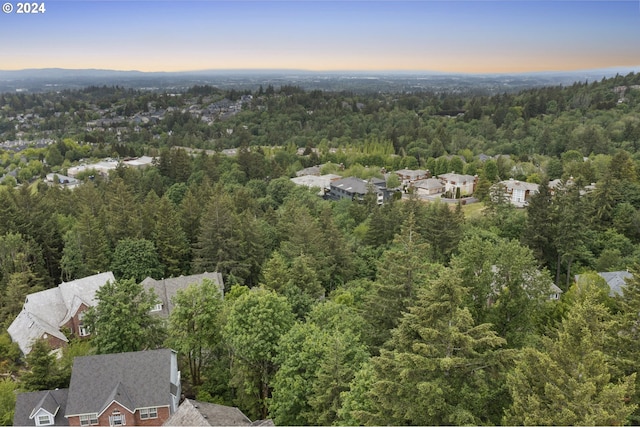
[
  {"x": 74, "y": 323},
  {"x": 163, "y": 415},
  {"x": 130, "y": 419},
  {"x": 54, "y": 342}
]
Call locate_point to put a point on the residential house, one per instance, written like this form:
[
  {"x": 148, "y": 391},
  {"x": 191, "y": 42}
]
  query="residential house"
[
  {"x": 556, "y": 184},
  {"x": 140, "y": 388},
  {"x": 46, "y": 314},
  {"x": 353, "y": 188},
  {"x": 408, "y": 176},
  {"x": 528, "y": 278},
  {"x": 453, "y": 181},
  {"x": 312, "y": 181},
  {"x": 517, "y": 192},
  {"x": 195, "y": 413},
  {"x": 41, "y": 408},
  {"x": 166, "y": 289},
  {"x": 555, "y": 292},
  {"x": 428, "y": 187},
  {"x": 313, "y": 170},
  {"x": 103, "y": 167},
  {"x": 616, "y": 280}
]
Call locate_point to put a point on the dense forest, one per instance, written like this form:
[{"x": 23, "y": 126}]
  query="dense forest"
[{"x": 347, "y": 312}]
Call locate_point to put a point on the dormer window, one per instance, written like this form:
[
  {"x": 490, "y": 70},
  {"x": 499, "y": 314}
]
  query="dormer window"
[
  {"x": 157, "y": 307},
  {"x": 44, "y": 420}
]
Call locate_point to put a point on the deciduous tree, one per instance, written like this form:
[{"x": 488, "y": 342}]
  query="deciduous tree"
[
  {"x": 195, "y": 326},
  {"x": 121, "y": 321}
]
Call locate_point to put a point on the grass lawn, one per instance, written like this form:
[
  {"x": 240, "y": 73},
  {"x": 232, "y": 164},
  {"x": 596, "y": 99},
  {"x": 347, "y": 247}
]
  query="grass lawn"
[{"x": 473, "y": 210}]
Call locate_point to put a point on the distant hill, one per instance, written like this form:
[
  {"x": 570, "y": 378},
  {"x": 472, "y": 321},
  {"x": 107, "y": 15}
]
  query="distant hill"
[{"x": 54, "y": 79}]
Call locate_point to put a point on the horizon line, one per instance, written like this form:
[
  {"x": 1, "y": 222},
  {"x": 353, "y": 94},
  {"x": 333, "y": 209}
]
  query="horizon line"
[{"x": 632, "y": 68}]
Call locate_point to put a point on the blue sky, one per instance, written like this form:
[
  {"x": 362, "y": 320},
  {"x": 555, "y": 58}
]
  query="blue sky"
[{"x": 449, "y": 36}]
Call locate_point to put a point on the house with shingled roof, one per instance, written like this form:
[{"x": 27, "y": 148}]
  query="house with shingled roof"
[
  {"x": 47, "y": 313},
  {"x": 140, "y": 388},
  {"x": 166, "y": 289},
  {"x": 135, "y": 388},
  {"x": 454, "y": 181},
  {"x": 195, "y": 413},
  {"x": 41, "y": 408},
  {"x": 616, "y": 280}
]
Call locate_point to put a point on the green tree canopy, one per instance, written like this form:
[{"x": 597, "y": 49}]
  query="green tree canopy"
[
  {"x": 256, "y": 321},
  {"x": 569, "y": 380},
  {"x": 121, "y": 321},
  {"x": 136, "y": 259},
  {"x": 195, "y": 326}
]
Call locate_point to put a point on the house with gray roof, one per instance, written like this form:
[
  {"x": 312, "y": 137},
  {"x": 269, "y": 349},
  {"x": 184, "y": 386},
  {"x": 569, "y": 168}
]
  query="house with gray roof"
[
  {"x": 454, "y": 181},
  {"x": 166, "y": 289},
  {"x": 322, "y": 182},
  {"x": 517, "y": 192},
  {"x": 408, "y": 176},
  {"x": 195, "y": 413},
  {"x": 41, "y": 408},
  {"x": 47, "y": 313},
  {"x": 616, "y": 280},
  {"x": 353, "y": 188},
  {"x": 313, "y": 170},
  {"x": 428, "y": 187},
  {"x": 134, "y": 388}
]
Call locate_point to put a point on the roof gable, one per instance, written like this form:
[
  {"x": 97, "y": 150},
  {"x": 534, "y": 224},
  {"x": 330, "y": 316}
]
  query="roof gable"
[
  {"x": 119, "y": 394},
  {"x": 50, "y": 309},
  {"x": 135, "y": 379},
  {"x": 166, "y": 289},
  {"x": 47, "y": 404},
  {"x": 30, "y": 405},
  {"x": 27, "y": 327},
  {"x": 195, "y": 413}
]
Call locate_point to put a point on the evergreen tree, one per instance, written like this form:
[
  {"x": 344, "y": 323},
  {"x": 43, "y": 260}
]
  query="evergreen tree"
[
  {"x": 442, "y": 229},
  {"x": 86, "y": 249},
  {"x": 136, "y": 259},
  {"x": 402, "y": 270},
  {"x": 219, "y": 246},
  {"x": 43, "y": 373},
  {"x": 440, "y": 365},
  {"x": 539, "y": 230},
  {"x": 571, "y": 235},
  {"x": 627, "y": 340},
  {"x": 7, "y": 401},
  {"x": 171, "y": 241},
  {"x": 568, "y": 381},
  {"x": 122, "y": 213}
]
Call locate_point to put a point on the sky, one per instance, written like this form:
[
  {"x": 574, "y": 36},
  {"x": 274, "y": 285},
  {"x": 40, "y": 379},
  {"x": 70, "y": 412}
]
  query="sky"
[{"x": 367, "y": 35}]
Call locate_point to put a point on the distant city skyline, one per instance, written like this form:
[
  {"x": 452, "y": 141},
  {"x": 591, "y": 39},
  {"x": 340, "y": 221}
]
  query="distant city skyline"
[{"x": 382, "y": 35}]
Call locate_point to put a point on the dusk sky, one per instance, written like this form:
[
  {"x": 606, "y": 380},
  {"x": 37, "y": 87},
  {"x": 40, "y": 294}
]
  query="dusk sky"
[{"x": 448, "y": 36}]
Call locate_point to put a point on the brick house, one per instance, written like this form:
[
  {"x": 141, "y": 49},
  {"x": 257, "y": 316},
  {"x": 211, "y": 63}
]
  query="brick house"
[
  {"x": 140, "y": 388},
  {"x": 49, "y": 313}
]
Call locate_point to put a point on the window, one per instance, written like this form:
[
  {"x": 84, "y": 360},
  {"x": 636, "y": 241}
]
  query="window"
[
  {"x": 90, "y": 419},
  {"x": 117, "y": 419},
  {"x": 157, "y": 307},
  {"x": 148, "y": 413},
  {"x": 83, "y": 331},
  {"x": 44, "y": 420}
]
